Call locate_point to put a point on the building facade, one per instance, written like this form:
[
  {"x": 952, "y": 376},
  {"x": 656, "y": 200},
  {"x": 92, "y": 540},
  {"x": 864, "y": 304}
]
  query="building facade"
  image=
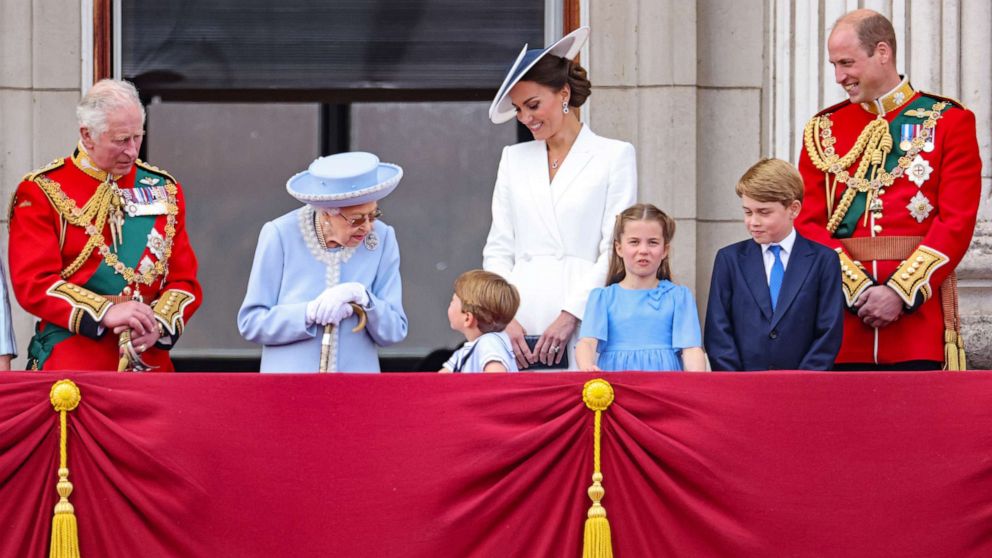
[{"x": 702, "y": 88}]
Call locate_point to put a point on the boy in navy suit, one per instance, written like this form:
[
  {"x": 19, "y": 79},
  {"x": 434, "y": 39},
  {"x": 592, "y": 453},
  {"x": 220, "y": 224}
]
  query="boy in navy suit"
[{"x": 775, "y": 300}]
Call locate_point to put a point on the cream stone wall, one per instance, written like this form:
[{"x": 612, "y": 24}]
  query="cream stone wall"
[
  {"x": 703, "y": 88},
  {"x": 40, "y": 65}
]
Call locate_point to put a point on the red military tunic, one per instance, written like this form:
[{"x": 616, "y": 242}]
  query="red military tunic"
[
  {"x": 67, "y": 270},
  {"x": 912, "y": 216}
]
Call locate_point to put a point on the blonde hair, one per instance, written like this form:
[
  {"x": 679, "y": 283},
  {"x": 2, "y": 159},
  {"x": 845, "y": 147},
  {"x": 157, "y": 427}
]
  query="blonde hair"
[
  {"x": 640, "y": 212},
  {"x": 487, "y": 296},
  {"x": 771, "y": 180}
]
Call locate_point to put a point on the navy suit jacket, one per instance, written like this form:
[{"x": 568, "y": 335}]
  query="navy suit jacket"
[{"x": 803, "y": 333}]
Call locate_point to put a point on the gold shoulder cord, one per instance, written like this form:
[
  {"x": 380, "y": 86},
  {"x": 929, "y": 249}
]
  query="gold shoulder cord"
[
  {"x": 873, "y": 146},
  {"x": 93, "y": 217}
]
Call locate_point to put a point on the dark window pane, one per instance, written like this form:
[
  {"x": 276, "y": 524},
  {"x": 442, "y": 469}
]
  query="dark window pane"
[{"x": 293, "y": 45}]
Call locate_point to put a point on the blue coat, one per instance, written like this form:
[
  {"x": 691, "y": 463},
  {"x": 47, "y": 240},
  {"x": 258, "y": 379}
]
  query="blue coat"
[
  {"x": 805, "y": 330},
  {"x": 286, "y": 275}
]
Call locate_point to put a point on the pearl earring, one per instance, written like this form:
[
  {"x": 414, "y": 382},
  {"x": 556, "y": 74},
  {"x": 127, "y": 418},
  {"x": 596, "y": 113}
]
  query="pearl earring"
[{"x": 564, "y": 107}]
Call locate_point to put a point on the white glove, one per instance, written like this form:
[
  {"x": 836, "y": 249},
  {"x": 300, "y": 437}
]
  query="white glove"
[{"x": 332, "y": 305}]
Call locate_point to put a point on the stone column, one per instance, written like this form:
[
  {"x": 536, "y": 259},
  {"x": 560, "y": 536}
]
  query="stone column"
[
  {"x": 729, "y": 122},
  {"x": 641, "y": 55}
]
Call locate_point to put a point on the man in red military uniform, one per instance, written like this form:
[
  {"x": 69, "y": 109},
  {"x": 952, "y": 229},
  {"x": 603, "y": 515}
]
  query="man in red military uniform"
[
  {"x": 893, "y": 181},
  {"x": 98, "y": 247}
]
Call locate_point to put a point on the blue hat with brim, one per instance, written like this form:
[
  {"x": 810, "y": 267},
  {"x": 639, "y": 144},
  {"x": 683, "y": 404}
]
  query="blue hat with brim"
[
  {"x": 566, "y": 47},
  {"x": 344, "y": 180}
]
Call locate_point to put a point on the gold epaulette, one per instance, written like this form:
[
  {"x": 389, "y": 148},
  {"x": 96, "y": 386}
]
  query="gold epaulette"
[
  {"x": 834, "y": 108},
  {"x": 31, "y": 177},
  {"x": 82, "y": 300},
  {"x": 47, "y": 168},
  {"x": 951, "y": 100},
  {"x": 156, "y": 170},
  {"x": 912, "y": 277},
  {"x": 854, "y": 278},
  {"x": 169, "y": 309}
]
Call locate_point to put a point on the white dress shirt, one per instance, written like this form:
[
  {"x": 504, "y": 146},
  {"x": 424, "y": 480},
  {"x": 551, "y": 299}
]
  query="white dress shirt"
[{"x": 769, "y": 257}]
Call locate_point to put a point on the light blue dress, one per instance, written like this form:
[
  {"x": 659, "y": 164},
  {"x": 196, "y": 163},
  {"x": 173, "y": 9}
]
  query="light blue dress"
[
  {"x": 291, "y": 269},
  {"x": 643, "y": 329}
]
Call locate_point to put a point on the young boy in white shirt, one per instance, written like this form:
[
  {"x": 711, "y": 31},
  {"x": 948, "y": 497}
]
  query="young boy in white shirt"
[{"x": 482, "y": 305}]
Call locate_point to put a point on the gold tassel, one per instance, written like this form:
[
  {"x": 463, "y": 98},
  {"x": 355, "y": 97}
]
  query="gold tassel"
[
  {"x": 65, "y": 397},
  {"x": 597, "y": 541},
  {"x": 952, "y": 350}
]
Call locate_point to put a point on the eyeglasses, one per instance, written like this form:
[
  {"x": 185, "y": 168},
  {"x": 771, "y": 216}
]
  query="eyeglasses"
[{"x": 359, "y": 220}]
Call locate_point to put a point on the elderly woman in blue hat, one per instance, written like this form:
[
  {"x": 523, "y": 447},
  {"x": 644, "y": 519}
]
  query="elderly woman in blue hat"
[
  {"x": 324, "y": 269},
  {"x": 555, "y": 200}
]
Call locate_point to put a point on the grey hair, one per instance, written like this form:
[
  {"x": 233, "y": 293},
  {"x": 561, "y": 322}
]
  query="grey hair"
[
  {"x": 330, "y": 210},
  {"x": 105, "y": 96}
]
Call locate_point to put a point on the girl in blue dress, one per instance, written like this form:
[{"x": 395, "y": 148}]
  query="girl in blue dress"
[{"x": 641, "y": 320}]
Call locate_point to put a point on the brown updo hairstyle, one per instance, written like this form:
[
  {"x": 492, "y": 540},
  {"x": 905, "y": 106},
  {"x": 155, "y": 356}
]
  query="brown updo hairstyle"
[
  {"x": 554, "y": 72},
  {"x": 640, "y": 212}
]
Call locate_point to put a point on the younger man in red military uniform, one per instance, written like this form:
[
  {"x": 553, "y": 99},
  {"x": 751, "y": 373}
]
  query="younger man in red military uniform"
[
  {"x": 893, "y": 180},
  {"x": 98, "y": 247}
]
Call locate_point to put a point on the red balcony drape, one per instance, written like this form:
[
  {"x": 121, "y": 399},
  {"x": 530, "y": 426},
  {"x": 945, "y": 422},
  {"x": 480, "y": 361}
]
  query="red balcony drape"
[{"x": 695, "y": 465}]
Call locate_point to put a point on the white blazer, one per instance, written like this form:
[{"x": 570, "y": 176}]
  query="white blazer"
[{"x": 553, "y": 240}]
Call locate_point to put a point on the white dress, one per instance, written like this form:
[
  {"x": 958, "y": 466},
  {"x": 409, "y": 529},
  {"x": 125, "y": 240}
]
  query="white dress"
[{"x": 552, "y": 240}]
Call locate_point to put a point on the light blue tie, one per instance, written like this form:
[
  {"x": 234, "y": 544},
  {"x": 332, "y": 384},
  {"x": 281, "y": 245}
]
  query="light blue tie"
[{"x": 778, "y": 272}]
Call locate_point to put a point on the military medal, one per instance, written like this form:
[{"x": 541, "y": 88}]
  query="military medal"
[
  {"x": 928, "y": 144},
  {"x": 150, "y": 200},
  {"x": 919, "y": 171},
  {"x": 919, "y": 207},
  {"x": 156, "y": 243},
  {"x": 908, "y": 132}
]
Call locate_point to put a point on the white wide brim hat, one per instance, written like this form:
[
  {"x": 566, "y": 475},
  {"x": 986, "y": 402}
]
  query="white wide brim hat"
[
  {"x": 344, "y": 180},
  {"x": 566, "y": 47}
]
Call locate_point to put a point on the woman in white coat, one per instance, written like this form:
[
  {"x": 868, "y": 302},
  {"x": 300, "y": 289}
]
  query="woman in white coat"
[{"x": 555, "y": 200}]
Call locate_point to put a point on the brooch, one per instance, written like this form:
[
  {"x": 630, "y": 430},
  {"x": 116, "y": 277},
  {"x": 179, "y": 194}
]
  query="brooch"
[{"x": 371, "y": 241}]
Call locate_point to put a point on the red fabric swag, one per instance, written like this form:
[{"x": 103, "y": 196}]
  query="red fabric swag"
[{"x": 742, "y": 465}]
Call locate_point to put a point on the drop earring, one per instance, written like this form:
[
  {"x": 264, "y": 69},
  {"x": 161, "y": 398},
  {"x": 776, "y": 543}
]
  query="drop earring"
[{"x": 564, "y": 107}]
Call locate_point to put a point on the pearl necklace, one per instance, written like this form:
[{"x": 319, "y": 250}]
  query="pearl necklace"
[{"x": 332, "y": 258}]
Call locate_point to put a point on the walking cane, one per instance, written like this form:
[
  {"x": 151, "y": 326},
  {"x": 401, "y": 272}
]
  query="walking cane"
[
  {"x": 325, "y": 342},
  {"x": 130, "y": 359}
]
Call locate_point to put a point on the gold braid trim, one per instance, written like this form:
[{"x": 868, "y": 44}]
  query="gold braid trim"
[
  {"x": 854, "y": 278},
  {"x": 169, "y": 309},
  {"x": 93, "y": 216},
  {"x": 81, "y": 300},
  {"x": 913, "y": 275},
  {"x": 873, "y": 146},
  {"x": 31, "y": 176},
  {"x": 155, "y": 170}
]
